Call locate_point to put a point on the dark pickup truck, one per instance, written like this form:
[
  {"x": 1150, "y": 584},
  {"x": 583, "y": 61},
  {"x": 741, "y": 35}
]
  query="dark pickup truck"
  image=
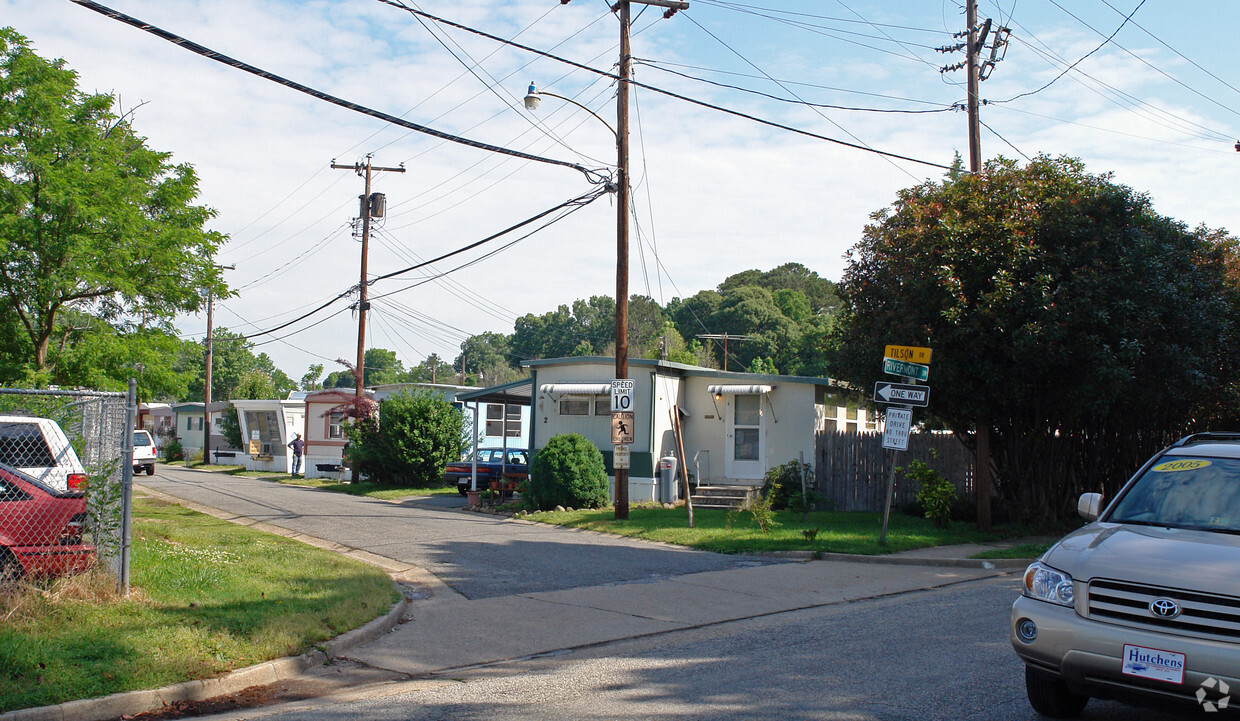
[{"x": 492, "y": 466}]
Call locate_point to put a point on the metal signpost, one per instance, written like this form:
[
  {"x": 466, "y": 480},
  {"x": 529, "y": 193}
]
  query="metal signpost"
[{"x": 912, "y": 364}]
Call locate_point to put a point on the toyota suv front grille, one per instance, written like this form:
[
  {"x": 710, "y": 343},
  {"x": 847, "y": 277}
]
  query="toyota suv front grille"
[{"x": 1190, "y": 613}]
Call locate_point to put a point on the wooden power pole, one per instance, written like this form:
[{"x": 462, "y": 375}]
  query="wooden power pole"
[{"x": 372, "y": 206}]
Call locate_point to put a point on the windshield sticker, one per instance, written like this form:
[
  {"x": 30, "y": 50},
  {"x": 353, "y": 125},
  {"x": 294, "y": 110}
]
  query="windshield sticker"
[
  {"x": 1219, "y": 522},
  {"x": 1185, "y": 465}
]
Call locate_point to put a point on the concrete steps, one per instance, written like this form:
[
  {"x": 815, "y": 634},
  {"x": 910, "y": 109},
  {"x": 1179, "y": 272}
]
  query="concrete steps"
[{"x": 708, "y": 496}]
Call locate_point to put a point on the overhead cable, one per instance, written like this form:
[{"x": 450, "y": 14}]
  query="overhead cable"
[
  {"x": 653, "y": 89},
  {"x": 591, "y": 175},
  {"x": 577, "y": 202},
  {"x": 794, "y": 101},
  {"x": 1078, "y": 62}
]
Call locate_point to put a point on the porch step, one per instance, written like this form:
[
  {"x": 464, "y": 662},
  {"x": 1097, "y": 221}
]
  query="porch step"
[{"x": 722, "y": 496}]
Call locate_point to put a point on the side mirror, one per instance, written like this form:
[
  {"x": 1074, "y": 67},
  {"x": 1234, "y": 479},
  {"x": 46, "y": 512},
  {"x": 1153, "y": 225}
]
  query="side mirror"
[{"x": 1089, "y": 506}]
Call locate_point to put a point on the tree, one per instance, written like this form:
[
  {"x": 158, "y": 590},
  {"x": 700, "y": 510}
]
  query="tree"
[
  {"x": 310, "y": 381},
  {"x": 1078, "y": 327},
  {"x": 484, "y": 357},
  {"x": 90, "y": 218},
  {"x": 431, "y": 370},
  {"x": 410, "y": 442}
]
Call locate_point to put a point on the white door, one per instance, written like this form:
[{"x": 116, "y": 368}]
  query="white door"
[{"x": 743, "y": 455}]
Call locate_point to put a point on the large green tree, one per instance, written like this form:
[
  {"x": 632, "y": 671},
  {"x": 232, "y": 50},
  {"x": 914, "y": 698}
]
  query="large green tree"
[
  {"x": 1069, "y": 320},
  {"x": 91, "y": 219}
]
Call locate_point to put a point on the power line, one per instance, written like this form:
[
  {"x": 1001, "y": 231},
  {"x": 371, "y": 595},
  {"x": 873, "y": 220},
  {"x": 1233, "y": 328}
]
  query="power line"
[
  {"x": 206, "y": 52},
  {"x": 668, "y": 93},
  {"x": 795, "y": 101},
  {"x": 1082, "y": 58}
]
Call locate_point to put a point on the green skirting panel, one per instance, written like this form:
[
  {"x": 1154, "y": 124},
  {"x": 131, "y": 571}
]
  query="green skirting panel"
[{"x": 641, "y": 465}]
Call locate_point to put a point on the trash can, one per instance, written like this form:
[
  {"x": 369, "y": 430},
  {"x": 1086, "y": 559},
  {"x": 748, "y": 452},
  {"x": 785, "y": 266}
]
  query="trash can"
[{"x": 668, "y": 490}]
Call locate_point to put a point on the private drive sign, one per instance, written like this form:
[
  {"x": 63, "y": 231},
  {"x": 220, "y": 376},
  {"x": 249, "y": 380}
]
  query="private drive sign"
[{"x": 896, "y": 428}]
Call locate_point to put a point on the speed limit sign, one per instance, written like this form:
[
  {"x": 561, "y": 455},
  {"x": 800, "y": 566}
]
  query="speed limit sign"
[{"x": 622, "y": 395}]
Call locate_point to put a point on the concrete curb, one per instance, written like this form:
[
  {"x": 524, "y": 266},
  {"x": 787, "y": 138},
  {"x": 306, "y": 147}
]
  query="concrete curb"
[{"x": 268, "y": 672}]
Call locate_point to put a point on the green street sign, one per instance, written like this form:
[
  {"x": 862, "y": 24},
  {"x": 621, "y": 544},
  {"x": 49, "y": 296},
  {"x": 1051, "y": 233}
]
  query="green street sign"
[{"x": 905, "y": 369}]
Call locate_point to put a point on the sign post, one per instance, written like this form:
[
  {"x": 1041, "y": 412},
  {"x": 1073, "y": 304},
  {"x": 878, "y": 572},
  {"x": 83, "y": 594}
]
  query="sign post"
[{"x": 912, "y": 364}]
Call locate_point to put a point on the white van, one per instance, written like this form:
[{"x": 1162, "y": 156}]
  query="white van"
[
  {"x": 144, "y": 453},
  {"x": 38, "y": 447}
]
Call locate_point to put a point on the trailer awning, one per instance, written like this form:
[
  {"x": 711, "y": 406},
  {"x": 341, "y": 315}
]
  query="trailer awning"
[
  {"x": 576, "y": 389},
  {"x": 754, "y": 390}
]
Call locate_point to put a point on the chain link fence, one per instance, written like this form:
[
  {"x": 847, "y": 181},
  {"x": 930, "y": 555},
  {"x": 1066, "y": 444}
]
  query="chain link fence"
[{"x": 63, "y": 472}]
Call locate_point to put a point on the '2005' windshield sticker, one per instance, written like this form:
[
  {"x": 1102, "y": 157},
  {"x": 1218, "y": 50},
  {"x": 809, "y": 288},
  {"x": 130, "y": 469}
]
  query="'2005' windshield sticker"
[{"x": 1184, "y": 465}]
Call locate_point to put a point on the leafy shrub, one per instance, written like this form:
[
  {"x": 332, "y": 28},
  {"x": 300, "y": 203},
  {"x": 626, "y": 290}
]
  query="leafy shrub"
[
  {"x": 568, "y": 471},
  {"x": 935, "y": 494},
  {"x": 410, "y": 442},
  {"x": 783, "y": 485},
  {"x": 759, "y": 507},
  {"x": 173, "y": 451}
]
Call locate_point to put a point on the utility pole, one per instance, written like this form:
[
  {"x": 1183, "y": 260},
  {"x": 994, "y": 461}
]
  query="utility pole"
[
  {"x": 372, "y": 206},
  {"x": 975, "y": 42},
  {"x": 206, "y": 397},
  {"x": 622, "y": 232},
  {"x": 724, "y": 337},
  {"x": 623, "y": 10}
]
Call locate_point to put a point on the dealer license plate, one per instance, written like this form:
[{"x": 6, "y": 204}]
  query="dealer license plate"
[{"x": 1153, "y": 663}]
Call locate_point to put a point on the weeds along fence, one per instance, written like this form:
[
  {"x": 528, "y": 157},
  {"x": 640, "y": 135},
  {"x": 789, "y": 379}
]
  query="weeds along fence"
[
  {"x": 62, "y": 495},
  {"x": 851, "y": 469}
]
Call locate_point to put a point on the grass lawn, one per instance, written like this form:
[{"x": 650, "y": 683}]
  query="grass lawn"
[
  {"x": 835, "y": 532},
  {"x": 207, "y": 597},
  {"x": 370, "y": 490}
]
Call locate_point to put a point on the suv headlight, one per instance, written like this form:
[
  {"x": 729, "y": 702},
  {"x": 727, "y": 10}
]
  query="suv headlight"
[{"x": 1047, "y": 584}]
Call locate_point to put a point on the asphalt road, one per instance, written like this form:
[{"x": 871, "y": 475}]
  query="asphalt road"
[
  {"x": 478, "y": 555},
  {"x": 921, "y": 656}
]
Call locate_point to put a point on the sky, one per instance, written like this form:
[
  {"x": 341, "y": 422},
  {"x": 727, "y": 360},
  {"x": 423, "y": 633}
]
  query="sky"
[{"x": 1142, "y": 89}]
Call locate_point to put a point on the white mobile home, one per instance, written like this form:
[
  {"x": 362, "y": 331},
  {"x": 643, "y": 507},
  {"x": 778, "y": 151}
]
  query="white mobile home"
[{"x": 734, "y": 426}]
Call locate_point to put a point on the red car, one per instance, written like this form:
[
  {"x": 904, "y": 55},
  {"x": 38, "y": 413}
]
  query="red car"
[{"x": 40, "y": 528}]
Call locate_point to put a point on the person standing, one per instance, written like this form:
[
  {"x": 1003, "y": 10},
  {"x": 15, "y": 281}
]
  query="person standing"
[{"x": 298, "y": 445}]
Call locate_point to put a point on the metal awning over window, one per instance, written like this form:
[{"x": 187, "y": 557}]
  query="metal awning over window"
[
  {"x": 576, "y": 389},
  {"x": 754, "y": 390}
]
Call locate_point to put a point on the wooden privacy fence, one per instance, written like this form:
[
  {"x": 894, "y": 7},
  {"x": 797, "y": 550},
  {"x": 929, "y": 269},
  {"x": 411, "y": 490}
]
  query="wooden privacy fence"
[{"x": 851, "y": 469}]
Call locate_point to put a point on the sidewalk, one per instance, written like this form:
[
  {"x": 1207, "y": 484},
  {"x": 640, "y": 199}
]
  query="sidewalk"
[{"x": 437, "y": 633}]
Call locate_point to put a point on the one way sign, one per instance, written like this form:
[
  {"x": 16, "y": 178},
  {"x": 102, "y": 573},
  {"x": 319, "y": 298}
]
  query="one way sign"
[{"x": 902, "y": 394}]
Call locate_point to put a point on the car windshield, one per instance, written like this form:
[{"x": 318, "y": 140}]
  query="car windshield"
[
  {"x": 1185, "y": 492},
  {"x": 141, "y": 439}
]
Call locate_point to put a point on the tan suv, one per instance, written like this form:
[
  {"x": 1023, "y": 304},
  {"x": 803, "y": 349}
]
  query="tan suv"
[{"x": 1143, "y": 604}]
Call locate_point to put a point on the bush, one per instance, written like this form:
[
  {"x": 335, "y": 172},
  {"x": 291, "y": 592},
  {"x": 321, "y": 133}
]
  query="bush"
[
  {"x": 935, "y": 494},
  {"x": 173, "y": 451},
  {"x": 410, "y": 442},
  {"x": 568, "y": 471},
  {"x": 782, "y": 484}
]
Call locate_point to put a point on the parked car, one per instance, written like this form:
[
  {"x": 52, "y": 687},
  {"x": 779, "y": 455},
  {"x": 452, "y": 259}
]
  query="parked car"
[
  {"x": 39, "y": 448},
  {"x": 494, "y": 464},
  {"x": 144, "y": 453},
  {"x": 41, "y": 528},
  {"x": 1142, "y": 604}
]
